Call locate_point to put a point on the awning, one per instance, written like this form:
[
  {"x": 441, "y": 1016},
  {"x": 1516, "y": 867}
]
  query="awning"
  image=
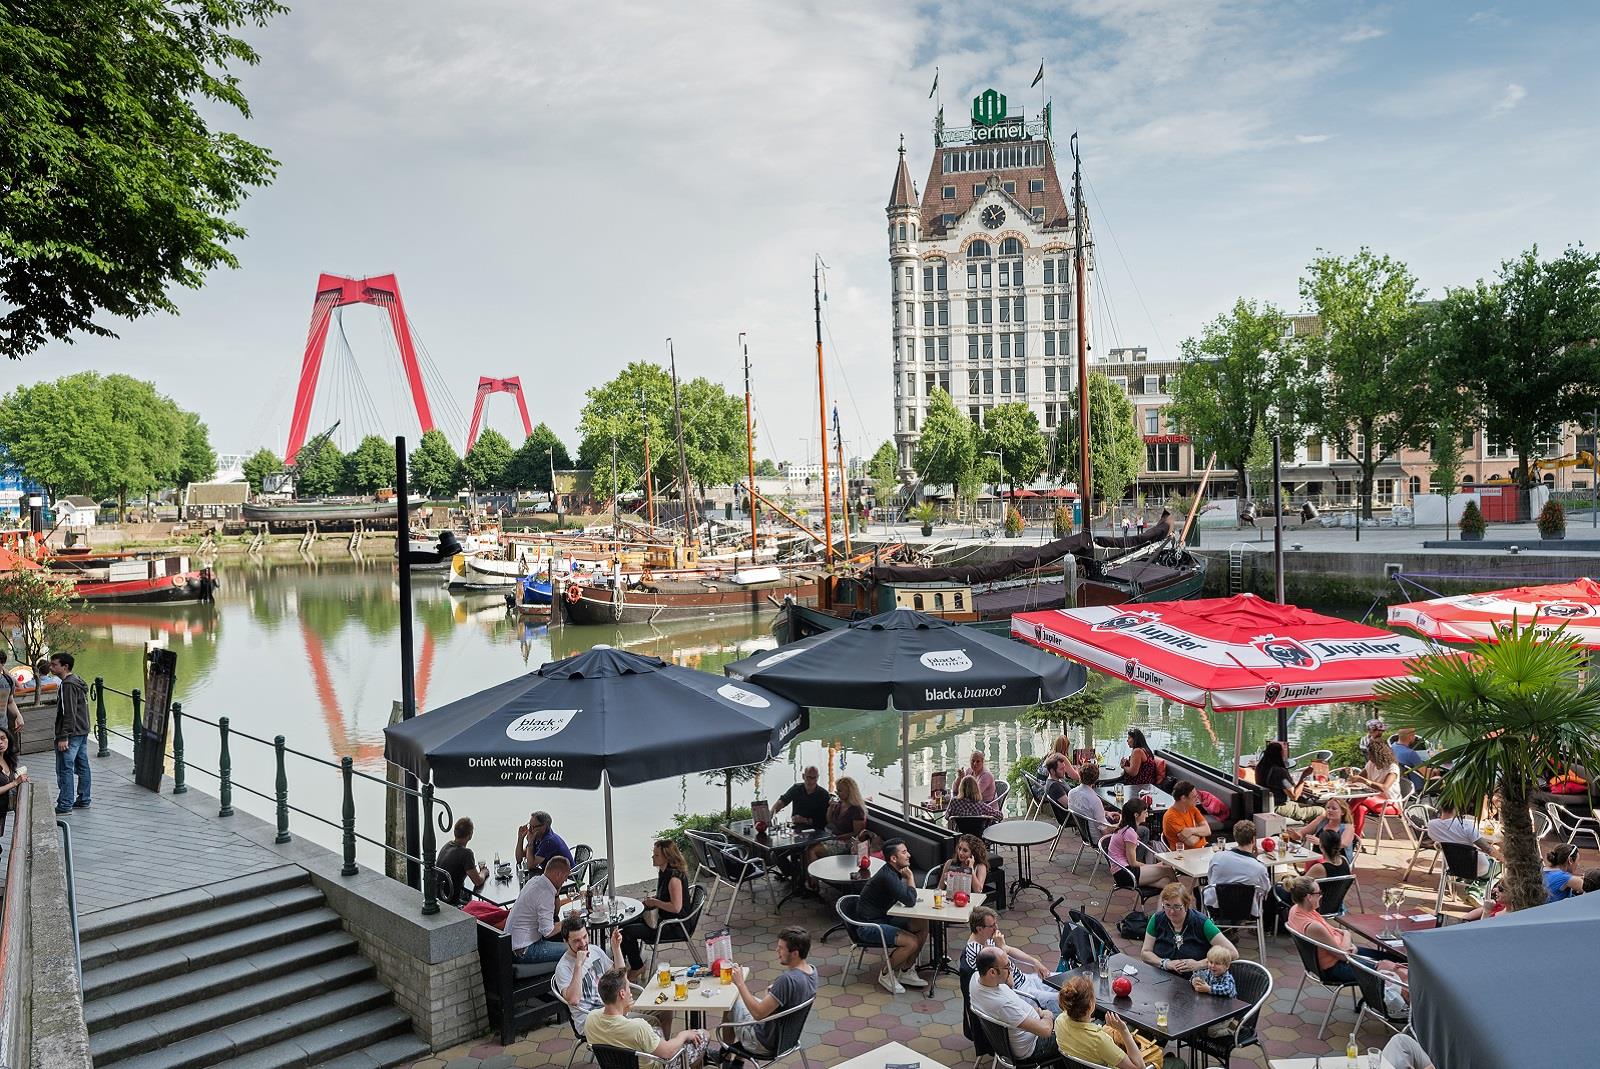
[{"x": 1479, "y": 617}]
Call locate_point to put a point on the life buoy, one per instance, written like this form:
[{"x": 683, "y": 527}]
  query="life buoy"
[{"x": 574, "y": 594}]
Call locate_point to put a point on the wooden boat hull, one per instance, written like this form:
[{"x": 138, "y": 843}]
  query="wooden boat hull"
[{"x": 595, "y": 605}]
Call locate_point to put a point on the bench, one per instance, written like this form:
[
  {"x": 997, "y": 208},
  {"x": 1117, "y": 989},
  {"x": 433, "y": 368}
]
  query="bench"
[
  {"x": 1244, "y": 800},
  {"x": 518, "y": 997},
  {"x": 931, "y": 845}
]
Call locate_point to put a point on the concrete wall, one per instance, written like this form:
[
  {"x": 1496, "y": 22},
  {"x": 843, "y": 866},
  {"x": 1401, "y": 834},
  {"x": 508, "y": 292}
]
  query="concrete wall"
[{"x": 57, "y": 1035}]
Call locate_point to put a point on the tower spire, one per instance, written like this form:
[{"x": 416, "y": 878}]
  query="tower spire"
[{"x": 904, "y": 195}]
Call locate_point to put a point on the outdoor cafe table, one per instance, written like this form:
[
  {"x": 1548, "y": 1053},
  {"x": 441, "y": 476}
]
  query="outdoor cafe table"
[
  {"x": 780, "y": 847},
  {"x": 1022, "y": 834},
  {"x": 1370, "y": 926},
  {"x": 1188, "y": 1011},
  {"x": 937, "y": 918},
  {"x": 920, "y": 800},
  {"x": 888, "y": 1054},
  {"x": 1195, "y": 862},
  {"x": 840, "y": 870},
  {"x": 611, "y": 911},
  {"x": 710, "y": 995},
  {"x": 1116, "y": 795}
]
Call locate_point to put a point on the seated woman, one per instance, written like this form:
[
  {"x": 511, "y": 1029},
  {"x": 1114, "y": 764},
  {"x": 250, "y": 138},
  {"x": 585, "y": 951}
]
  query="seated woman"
[
  {"x": 969, "y": 863},
  {"x": 846, "y": 824},
  {"x": 1272, "y": 772},
  {"x": 968, "y": 801},
  {"x": 1561, "y": 879},
  {"x": 1127, "y": 849},
  {"x": 978, "y": 769},
  {"x": 1330, "y": 862},
  {"x": 1110, "y": 1043},
  {"x": 1179, "y": 936},
  {"x": 1334, "y": 817},
  {"x": 1139, "y": 767},
  {"x": 1382, "y": 774},
  {"x": 1305, "y": 918},
  {"x": 669, "y": 902}
]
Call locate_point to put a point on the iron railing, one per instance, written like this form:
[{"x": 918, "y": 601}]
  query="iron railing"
[{"x": 279, "y": 797}]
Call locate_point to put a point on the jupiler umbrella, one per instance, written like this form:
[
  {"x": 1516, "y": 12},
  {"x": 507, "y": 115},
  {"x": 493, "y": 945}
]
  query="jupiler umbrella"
[
  {"x": 1479, "y": 617},
  {"x": 903, "y": 660},
  {"x": 1233, "y": 654},
  {"x": 603, "y": 717}
]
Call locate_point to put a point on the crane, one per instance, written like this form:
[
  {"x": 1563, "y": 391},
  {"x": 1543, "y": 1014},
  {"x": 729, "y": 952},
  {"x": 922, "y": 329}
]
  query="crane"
[{"x": 290, "y": 474}]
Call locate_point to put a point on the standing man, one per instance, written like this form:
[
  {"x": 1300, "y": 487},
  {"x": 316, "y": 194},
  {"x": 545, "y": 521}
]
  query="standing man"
[
  {"x": 892, "y": 885},
  {"x": 534, "y": 925},
  {"x": 8, "y": 705},
  {"x": 537, "y": 843},
  {"x": 72, "y": 736},
  {"x": 797, "y": 984},
  {"x": 810, "y": 800}
]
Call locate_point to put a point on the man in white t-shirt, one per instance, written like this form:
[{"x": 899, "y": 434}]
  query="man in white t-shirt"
[
  {"x": 1459, "y": 828},
  {"x": 1084, "y": 802},
  {"x": 578, "y": 972},
  {"x": 1239, "y": 865},
  {"x": 1031, "y": 1029},
  {"x": 534, "y": 927}
]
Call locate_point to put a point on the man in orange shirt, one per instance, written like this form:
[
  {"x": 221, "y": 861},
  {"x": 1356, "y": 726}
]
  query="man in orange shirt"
[{"x": 1184, "y": 824}]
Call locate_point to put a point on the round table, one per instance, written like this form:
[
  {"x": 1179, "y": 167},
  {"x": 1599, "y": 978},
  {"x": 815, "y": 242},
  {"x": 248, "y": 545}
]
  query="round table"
[
  {"x": 839, "y": 870},
  {"x": 611, "y": 911},
  {"x": 1022, "y": 834}
]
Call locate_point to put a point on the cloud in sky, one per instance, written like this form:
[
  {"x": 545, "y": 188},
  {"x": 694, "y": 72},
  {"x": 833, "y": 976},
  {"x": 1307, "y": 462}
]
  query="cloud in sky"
[{"x": 560, "y": 189}]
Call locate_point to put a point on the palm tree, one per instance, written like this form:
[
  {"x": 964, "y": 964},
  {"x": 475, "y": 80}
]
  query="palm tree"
[{"x": 1508, "y": 713}]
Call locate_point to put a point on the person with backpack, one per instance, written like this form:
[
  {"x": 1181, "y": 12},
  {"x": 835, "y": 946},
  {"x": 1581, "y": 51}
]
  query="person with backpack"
[{"x": 1179, "y": 936}]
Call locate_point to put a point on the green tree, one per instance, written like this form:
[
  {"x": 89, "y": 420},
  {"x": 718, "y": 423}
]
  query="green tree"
[
  {"x": 530, "y": 467},
  {"x": 1116, "y": 448},
  {"x": 884, "y": 471},
  {"x": 59, "y": 434},
  {"x": 713, "y": 430},
  {"x": 1371, "y": 382},
  {"x": 148, "y": 436},
  {"x": 1446, "y": 455},
  {"x": 485, "y": 466},
  {"x": 766, "y": 469},
  {"x": 114, "y": 184},
  {"x": 370, "y": 466},
  {"x": 713, "y": 434},
  {"x": 36, "y": 613},
  {"x": 1499, "y": 719},
  {"x": 1239, "y": 382},
  {"x": 321, "y": 474},
  {"x": 947, "y": 450},
  {"x": 198, "y": 463},
  {"x": 1526, "y": 347},
  {"x": 259, "y": 465},
  {"x": 1012, "y": 430},
  {"x": 434, "y": 468}
]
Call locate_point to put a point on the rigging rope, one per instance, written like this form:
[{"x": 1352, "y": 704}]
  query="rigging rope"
[{"x": 1106, "y": 221}]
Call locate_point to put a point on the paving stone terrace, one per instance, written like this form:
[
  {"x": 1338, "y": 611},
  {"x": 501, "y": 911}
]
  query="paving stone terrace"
[{"x": 853, "y": 1014}]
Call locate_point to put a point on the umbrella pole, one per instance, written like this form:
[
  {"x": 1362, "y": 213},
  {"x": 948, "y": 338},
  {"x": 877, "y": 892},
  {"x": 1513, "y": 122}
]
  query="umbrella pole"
[
  {"x": 905, "y": 760},
  {"x": 611, "y": 846},
  {"x": 1238, "y": 746}
]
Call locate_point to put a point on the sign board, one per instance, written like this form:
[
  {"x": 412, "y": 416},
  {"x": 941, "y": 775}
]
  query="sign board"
[{"x": 150, "y": 756}]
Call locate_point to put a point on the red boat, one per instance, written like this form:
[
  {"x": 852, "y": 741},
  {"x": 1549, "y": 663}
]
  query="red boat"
[{"x": 102, "y": 578}]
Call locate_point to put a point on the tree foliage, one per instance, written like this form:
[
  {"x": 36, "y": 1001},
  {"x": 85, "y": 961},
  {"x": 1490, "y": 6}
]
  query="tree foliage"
[
  {"x": 1499, "y": 720},
  {"x": 1012, "y": 430},
  {"x": 1372, "y": 389},
  {"x": 766, "y": 469},
  {"x": 198, "y": 462},
  {"x": 259, "y": 465},
  {"x": 713, "y": 430},
  {"x": 36, "y": 613},
  {"x": 115, "y": 186},
  {"x": 884, "y": 471},
  {"x": 1526, "y": 347},
  {"x": 321, "y": 473},
  {"x": 947, "y": 450},
  {"x": 370, "y": 466},
  {"x": 1116, "y": 449},
  {"x": 433, "y": 467},
  {"x": 530, "y": 466},
  {"x": 1239, "y": 383},
  {"x": 486, "y": 465}
]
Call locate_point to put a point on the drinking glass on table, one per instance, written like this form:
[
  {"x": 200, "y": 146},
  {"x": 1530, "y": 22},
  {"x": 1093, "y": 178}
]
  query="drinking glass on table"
[
  {"x": 1161, "y": 1015},
  {"x": 1374, "y": 1058}
]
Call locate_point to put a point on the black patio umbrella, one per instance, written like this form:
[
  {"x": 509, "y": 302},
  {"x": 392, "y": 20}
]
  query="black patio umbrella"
[
  {"x": 602, "y": 717},
  {"x": 906, "y": 660}
]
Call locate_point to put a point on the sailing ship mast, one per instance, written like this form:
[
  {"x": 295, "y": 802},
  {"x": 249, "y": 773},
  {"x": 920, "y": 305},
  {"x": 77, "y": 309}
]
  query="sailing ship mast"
[
  {"x": 1085, "y": 487},
  {"x": 689, "y": 529},
  {"x": 822, "y": 411},
  {"x": 844, "y": 481},
  {"x": 749, "y": 449},
  {"x": 649, "y": 481}
]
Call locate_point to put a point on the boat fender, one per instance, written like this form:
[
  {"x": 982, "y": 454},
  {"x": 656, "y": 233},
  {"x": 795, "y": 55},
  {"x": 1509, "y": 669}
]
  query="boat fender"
[
  {"x": 574, "y": 593},
  {"x": 647, "y": 576},
  {"x": 180, "y": 580}
]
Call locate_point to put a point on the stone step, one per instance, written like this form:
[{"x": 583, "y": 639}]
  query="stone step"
[
  {"x": 217, "y": 1011},
  {"x": 400, "y": 1049},
  {"x": 179, "y": 930},
  {"x": 109, "y": 974},
  {"x": 105, "y": 922},
  {"x": 301, "y": 1033},
  {"x": 375, "y": 1040}
]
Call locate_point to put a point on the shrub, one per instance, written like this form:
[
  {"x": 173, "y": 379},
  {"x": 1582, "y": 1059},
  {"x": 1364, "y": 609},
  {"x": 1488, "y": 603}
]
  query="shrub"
[
  {"x": 1471, "y": 522},
  {"x": 1063, "y": 521},
  {"x": 1552, "y": 520},
  {"x": 1346, "y": 750},
  {"x": 686, "y": 822},
  {"x": 1029, "y": 765},
  {"x": 923, "y": 513},
  {"x": 1014, "y": 522}
]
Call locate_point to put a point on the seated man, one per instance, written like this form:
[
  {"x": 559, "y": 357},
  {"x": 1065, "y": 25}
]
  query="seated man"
[
  {"x": 1184, "y": 824},
  {"x": 537, "y": 843},
  {"x": 533, "y": 924},
  {"x": 810, "y": 800},
  {"x": 612, "y": 1027},
  {"x": 1240, "y": 865},
  {"x": 1029, "y": 1027},
  {"x": 985, "y": 925},
  {"x": 1056, "y": 787},
  {"x": 894, "y": 884},
  {"x": 1083, "y": 801},
  {"x": 796, "y": 984},
  {"x": 457, "y": 860},
  {"x": 580, "y": 968},
  {"x": 1451, "y": 826}
]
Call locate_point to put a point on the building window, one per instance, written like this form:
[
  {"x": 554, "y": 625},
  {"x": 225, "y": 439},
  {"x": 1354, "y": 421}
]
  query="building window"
[
  {"x": 1020, "y": 380},
  {"x": 977, "y": 189},
  {"x": 944, "y": 381},
  {"x": 1152, "y": 422},
  {"x": 1049, "y": 414},
  {"x": 1018, "y": 314},
  {"x": 1005, "y": 308},
  {"x": 948, "y": 192},
  {"x": 911, "y": 420},
  {"x": 1005, "y": 347},
  {"x": 985, "y": 277},
  {"x": 1036, "y": 185},
  {"x": 988, "y": 381},
  {"x": 1385, "y": 489},
  {"x": 972, "y": 383},
  {"x": 1019, "y": 348},
  {"x": 1005, "y": 380},
  {"x": 1049, "y": 272},
  {"x": 1049, "y": 306},
  {"x": 902, "y": 231},
  {"x": 944, "y": 350},
  {"x": 1149, "y": 384},
  {"x": 1009, "y": 187},
  {"x": 941, "y": 278},
  {"x": 1011, "y": 247},
  {"x": 972, "y": 347},
  {"x": 947, "y": 220},
  {"x": 1493, "y": 450},
  {"x": 1049, "y": 339},
  {"x": 944, "y": 313},
  {"x": 929, "y": 381},
  {"x": 927, "y": 277},
  {"x": 1161, "y": 456},
  {"x": 1061, "y": 342},
  {"x": 1005, "y": 275},
  {"x": 927, "y": 313},
  {"x": 986, "y": 310},
  {"x": 1314, "y": 449},
  {"x": 979, "y": 250},
  {"x": 1037, "y": 213},
  {"x": 974, "y": 413},
  {"x": 988, "y": 346},
  {"x": 972, "y": 276},
  {"x": 1049, "y": 378},
  {"x": 927, "y": 349},
  {"x": 1120, "y": 382},
  {"x": 972, "y": 309}
]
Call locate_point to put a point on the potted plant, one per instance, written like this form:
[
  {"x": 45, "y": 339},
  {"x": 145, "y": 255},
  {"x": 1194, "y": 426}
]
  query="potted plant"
[
  {"x": 1063, "y": 521},
  {"x": 1553, "y": 520},
  {"x": 1471, "y": 523},
  {"x": 923, "y": 514},
  {"x": 1014, "y": 522}
]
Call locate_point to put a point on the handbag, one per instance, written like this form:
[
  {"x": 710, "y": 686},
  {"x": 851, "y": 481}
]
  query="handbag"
[{"x": 652, "y": 918}]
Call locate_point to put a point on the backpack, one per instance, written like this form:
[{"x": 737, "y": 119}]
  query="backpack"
[
  {"x": 1077, "y": 947},
  {"x": 1134, "y": 925}
]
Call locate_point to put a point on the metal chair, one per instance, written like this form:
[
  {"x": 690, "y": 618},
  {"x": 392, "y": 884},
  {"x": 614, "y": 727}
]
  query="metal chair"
[
  {"x": 592, "y": 872},
  {"x": 1002, "y": 791},
  {"x": 1311, "y": 755},
  {"x": 1254, "y": 983},
  {"x": 1568, "y": 825},
  {"x": 628, "y": 1058},
  {"x": 680, "y": 929},
  {"x": 1307, "y": 948},
  {"x": 1066, "y": 819},
  {"x": 1235, "y": 904},
  {"x": 973, "y": 825},
  {"x": 1122, "y": 879},
  {"x": 788, "y": 1036},
  {"x": 1335, "y": 889},
  {"x": 998, "y": 1033},
  {"x": 1395, "y": 808},
  {"x": 736, "y": 869},
  {"x": 1417, "y": 815},
  {"x": 1541, "y": 823},
  {"x": 845, "y": 907},
  {"x": 1104, "y": 944},
  {"x": 1035, "y": 785},
  {"x": 580, "y": 1041},
  {"x": 706, "y": 846},
  {"x": 1371, "y": 987},
  {"x": 1461, "y": 867}
]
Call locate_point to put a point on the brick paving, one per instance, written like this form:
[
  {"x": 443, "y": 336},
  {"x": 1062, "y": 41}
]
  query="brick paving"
[{"x": 853, "y": 1014}]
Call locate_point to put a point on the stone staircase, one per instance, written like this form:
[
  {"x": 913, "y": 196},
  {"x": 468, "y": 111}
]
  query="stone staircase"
[{"x": 250, "y": 971}]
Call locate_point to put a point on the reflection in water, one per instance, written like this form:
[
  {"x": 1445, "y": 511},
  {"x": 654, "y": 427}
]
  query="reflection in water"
[{"x": 311, "y": 652}]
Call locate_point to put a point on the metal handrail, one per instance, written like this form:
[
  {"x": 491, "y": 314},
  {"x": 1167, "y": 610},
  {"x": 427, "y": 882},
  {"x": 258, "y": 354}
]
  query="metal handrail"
[
  {"x": 445, "y": 817},
  {"x": 72, "y": 894},
  {"x": 14, "y": 966}
]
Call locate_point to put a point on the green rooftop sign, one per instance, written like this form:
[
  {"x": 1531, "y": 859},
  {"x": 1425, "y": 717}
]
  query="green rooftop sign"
[{"x": 988, "y": 108}]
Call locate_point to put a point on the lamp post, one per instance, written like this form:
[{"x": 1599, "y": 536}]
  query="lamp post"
[{"x": 1000, "y": 456}]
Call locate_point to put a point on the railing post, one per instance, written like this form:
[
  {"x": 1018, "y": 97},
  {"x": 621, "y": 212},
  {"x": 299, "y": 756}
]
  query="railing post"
[
  {"x": 224, "y": 769},
  {"x": 100, "y": 717},
  {"x": 282, "y": 792},
  {"x": 178, "y": 786},
  {"x": 346, "y": 773},
  {"x": 430, "y": 874},
  {"x": 138, "y": 718}
]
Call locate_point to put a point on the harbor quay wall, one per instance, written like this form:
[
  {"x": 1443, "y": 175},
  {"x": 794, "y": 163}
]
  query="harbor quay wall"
[
  {"x": 431, "y": 963},
  {"x": 1317, "y": 578}
]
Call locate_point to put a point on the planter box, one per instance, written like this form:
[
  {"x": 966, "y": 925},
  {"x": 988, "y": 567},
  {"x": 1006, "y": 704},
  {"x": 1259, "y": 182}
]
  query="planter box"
[
  {"x": 1555, "y": 536},
  {"x": 927, "y": 530},
  {"x": 1472, "y": 536}
]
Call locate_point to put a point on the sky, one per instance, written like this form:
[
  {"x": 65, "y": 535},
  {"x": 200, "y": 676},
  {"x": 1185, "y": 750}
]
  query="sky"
[{"x": 561, "y": 188}]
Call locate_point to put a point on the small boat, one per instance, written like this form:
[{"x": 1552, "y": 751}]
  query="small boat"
[
  {"x": 100, "y": 578},
  {"x": 682, "y": 599}
]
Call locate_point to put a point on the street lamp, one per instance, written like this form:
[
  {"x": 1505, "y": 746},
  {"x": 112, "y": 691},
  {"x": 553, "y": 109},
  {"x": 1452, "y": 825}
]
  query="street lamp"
[{"x": 1000, "y": 456}]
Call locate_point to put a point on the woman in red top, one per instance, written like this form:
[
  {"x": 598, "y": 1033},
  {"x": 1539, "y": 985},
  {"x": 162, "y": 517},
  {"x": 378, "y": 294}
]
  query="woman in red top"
[{"x": 1139, "y": 767}]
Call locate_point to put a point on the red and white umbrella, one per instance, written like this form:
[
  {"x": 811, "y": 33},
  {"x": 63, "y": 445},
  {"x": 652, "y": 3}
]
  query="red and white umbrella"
[
  {"x": 1478, "y": 617},
  {"x": 1236, "y": 653}
]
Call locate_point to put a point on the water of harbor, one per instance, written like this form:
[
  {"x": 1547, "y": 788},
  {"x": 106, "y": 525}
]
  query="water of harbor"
[{"x": 311, "y": 651}]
